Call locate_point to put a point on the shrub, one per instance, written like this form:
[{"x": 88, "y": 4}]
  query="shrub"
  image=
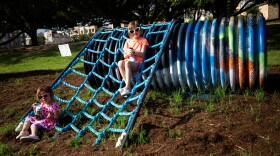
[
  {"x": 83, "y": 37},
  {"x": 41, "y": 40}
]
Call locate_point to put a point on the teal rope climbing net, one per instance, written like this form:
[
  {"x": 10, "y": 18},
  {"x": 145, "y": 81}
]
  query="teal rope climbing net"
[{"x": 91, "y": 104}]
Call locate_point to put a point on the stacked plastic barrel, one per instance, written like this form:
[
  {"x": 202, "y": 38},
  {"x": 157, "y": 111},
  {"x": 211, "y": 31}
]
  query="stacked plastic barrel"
[{"x": 205, "y": 54}]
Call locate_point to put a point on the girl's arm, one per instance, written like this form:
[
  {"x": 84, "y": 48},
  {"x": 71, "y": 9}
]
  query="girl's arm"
[
  {"x": 55, "y": 115},
  {"x": 34, "y": 106},
  {"x": 126, "y": 50}
]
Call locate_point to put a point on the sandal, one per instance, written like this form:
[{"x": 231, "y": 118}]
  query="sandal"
[
  {"x": 29, "y": 138},
  {"x": 22, "y": 134},
  {"x": 120, "y": 90},
  {"x": 125, "y": 92}
]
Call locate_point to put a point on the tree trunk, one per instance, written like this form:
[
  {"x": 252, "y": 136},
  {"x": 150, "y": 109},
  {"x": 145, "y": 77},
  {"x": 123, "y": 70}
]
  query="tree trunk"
[
  {"x": 116, "y": 22},
  {"x": 33, "y": 35}
]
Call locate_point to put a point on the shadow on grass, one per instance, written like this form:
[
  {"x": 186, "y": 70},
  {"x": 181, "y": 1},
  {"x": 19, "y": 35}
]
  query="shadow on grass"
[
  {"x": 273, "y": 37},
  {"x": 4, "y": 77},
  {"x": 272, "y": 83}
]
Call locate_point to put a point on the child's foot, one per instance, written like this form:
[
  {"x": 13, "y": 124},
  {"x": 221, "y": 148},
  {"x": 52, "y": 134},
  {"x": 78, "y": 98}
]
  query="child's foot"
[
  {"x": 120, "y": 90},
  {"x": 22, "y": 134},
  {"x": 29, "y": 138},
  {"x": 125, "y": 91}
]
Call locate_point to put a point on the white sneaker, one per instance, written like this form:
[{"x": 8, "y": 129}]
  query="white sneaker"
[{"x": 29, "y": 138}]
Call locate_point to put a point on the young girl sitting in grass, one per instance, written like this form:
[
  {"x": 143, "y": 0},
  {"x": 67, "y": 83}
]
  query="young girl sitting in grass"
[
  {"x": 46, "y": 116},
  {"x": 134, "y": 52}
]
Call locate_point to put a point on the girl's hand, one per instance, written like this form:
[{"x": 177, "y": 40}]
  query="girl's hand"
[
  {"x": 34, "y": 105},
  {"x": 128, "y": 52},
  {"x": 53, "y": 116},
  {"x": 132, "y": 52},
  {"x": 49, "y": 116}
]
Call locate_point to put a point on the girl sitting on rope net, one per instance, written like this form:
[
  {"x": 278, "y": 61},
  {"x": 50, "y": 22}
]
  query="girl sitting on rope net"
[{"x": 134, "y": 52}]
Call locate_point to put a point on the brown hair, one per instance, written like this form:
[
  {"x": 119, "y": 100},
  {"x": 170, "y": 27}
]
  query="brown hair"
[{"x": 46, "y": 89}]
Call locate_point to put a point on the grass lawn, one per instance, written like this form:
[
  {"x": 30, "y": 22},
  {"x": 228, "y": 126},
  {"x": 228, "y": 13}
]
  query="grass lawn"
[
  {"x": 23, "y": 60},
  {"x": 273, "y": 46}
]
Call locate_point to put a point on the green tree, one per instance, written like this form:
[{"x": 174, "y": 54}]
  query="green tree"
[
  {"x": 227, "y": 8},
  {"x": 145, "y": 11}
]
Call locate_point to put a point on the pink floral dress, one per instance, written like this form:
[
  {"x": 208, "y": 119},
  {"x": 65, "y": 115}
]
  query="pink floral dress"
[{"x": 48, "y": 124}]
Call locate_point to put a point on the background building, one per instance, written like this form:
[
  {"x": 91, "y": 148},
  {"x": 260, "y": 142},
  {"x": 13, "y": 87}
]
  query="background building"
[
  {"x": 270, "y": 12},
  {"x": 58, "y": 37},
  {"x": 17, "y": 43},
  {"x": 81, "y": 30}
]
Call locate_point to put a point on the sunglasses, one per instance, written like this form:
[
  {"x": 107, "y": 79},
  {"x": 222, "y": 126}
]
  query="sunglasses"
[
  {"x": 134, "y": 30},
  {"x": 41, "y": 96}
]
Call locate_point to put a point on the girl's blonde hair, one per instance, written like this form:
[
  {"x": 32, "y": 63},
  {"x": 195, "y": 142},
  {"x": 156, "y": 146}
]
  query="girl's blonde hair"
[
  {"x": 133, "y": 24},
  {"x": 46, "y": 89}
]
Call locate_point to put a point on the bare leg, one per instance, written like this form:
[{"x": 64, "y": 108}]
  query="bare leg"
[
  {"x": 121, "y": 65},
  {"x": 24, "y": 130},
  {"x": 25, "y": 127},
  {"x": 34, "y": 130},
  {"x": 33, "y": 136},
  {"x": 129, "y": 68}
]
